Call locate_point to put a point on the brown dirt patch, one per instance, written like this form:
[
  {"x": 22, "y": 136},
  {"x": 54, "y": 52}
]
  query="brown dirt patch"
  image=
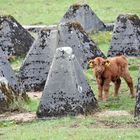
[
  {"x": 19, "y": 117},
  {"x": 112, "y": 124},
  {"x": 100, "y": 121},
  {"x": 108, "y": 113},
  {"x": 34, "y": 95},
  {"x": 74, "y": 126}
]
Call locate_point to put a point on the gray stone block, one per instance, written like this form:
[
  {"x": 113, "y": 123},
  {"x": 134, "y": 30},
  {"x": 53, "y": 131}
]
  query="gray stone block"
[
  {"x": 85, "y": 16},
  {"x": 73, "y": 35},
  {"x": 126, "y": 36},
  {"x": 137, "y": 106},
  {"x": 9, "y": 87},
  {"x": 14, "y": 39},
  {"x": 7, "y": 94},
  {"x": 66, "y": 91},
  {"x": 33, "y": 73},
  {"x": 6, "y": 70}
]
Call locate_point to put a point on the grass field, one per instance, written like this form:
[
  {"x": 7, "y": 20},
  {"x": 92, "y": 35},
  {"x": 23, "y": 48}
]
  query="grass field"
[
  {"x": 67, "y": 129},
  {"x": 51, "y": 11},
  {"x": 90, "y": 127},
  {"x": 75, "y": 128},
  {"x": 82, "y": 127}
]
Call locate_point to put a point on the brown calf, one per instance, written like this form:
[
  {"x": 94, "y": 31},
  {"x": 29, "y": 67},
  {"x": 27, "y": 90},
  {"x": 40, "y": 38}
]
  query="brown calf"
[{"x": 107, "y": 70}]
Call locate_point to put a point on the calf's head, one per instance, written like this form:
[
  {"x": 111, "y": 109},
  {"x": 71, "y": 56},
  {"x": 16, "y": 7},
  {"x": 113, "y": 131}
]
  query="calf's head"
[{"x": 98, "y": 64}]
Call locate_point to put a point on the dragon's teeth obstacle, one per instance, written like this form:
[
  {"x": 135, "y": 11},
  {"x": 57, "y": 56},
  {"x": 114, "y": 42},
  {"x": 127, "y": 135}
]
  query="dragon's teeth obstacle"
[
  {"x": 33, "y": 73},
  {"x": 66, "y": 91},
  {"x": 73, "y": 35},
  {"x": 137, "y": 107},
  {"x": 85, "y": 16},
  {"x": 10, "y": 90},
  {"x": 126, "y": 36},
  {"x": 14, "y": 39}
]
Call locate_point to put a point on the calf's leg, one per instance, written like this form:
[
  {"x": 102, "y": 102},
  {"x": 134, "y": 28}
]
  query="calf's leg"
[
  {"x": 129, "y": 82},
  {"x": 117, "y": 86},
  {"x": 100, "y": 88},
  {"x": 106, "y": 89}
]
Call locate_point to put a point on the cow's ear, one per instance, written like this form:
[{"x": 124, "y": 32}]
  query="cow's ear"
[
  {"x": 107, "y": 63},
  {"x": 91, "y": 63}
]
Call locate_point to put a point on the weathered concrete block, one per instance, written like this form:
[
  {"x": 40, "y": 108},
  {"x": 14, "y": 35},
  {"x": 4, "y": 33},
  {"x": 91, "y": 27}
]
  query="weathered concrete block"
[
  {"x": 7, "y": 94},
  {"x": 73, "y": 35},
  {"x": 6, "y": 70},
  {"x": 126, "y": 36},
  {"x": 14, "y": 39},
  {"x": 33, "y": 73},
  {"x": 85, "y": 16},
  {"x": 66, "y": 91},
  {"x": 9, "y": 88},
  {"x": 137, "y": 107}
]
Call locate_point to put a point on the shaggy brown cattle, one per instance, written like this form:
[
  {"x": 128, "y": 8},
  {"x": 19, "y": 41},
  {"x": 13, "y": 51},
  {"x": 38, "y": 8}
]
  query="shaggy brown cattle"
[{"x": 107, "y": 70}]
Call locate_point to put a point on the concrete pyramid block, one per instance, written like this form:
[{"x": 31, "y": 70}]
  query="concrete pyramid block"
[
  {"x": 73, "y": 35},
  {"x": 6, "y": 70},
  {"x": 137, "y": 107},
  {"x": 8, "y": 83},
  {"x": 126, "y": 36},
  {"x": 85, "y": 16},
  {"x": 33, "y": 73},
  {"x": 66, "y": 91},
  {"x": 7, "y": 94},
  {"x": 14, "y": 39}
]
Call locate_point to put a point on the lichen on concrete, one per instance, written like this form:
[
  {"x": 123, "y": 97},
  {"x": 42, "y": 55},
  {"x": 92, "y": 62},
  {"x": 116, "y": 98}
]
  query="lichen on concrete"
[
  {"x": 10, "y": 90},
  {"x": 126, "y": 36},
  {"x": 66, "y": 90},
  {"x": 137, "y": 106},
  {"x": 34, "y": 71},
  {"x": 14, "y": 39},
  {"x": 72, "y": 34},
  {"x": 85, "y": 16}
]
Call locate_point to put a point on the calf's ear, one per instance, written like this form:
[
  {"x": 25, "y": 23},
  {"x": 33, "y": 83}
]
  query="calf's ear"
[
  {"x": 106, "y": 63},
  {"x": 91, "y": 63}
]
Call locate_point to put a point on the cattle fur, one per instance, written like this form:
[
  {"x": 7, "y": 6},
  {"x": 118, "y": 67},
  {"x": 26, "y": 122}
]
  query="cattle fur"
[{"x": 110, "y": 70}]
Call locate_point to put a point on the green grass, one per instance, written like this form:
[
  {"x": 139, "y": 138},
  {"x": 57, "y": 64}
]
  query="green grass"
[
  {"x": 66, "y": 128},
  {"x": 81, "y": 127},
  {"x": 16, "y": 63},
  {"x": 120, "y": 119},
  {"x": 102, "y": 39},
  {"x": 7, "y": 123},
  {"x": 22, "y": 106},
  {"x": 51, "y": 11},
  {"x": 32, "y": 105}
]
